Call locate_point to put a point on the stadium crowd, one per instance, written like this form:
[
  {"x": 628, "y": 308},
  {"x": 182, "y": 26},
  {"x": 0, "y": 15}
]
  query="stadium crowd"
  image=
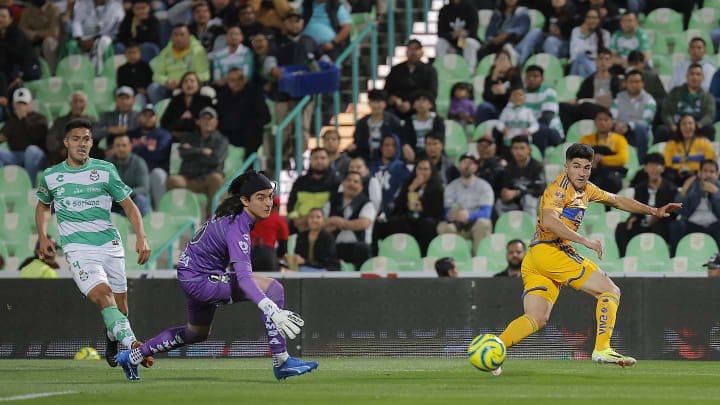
[{"x": 196, "y": 81}]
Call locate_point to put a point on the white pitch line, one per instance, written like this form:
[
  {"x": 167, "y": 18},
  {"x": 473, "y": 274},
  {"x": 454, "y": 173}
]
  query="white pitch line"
[{"x": 33, "y": 396}]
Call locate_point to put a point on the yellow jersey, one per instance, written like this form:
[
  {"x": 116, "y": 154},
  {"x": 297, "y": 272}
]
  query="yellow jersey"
[{"x": 571, "y": 204}]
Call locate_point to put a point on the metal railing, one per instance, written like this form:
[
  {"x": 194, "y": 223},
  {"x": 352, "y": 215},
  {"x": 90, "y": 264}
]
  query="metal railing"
[
  {"x": 168, "y": 246},
  {"x": 408, "y": 23},
  {"x": 253, "y": 159}
]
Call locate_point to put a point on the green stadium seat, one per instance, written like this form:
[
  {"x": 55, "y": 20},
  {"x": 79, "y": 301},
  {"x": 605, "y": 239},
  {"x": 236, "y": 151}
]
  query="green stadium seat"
[
  {"x": 579, "y": 129},
  {"x": 683, "y": 264},
  {"x": 122, "y": 224},
  {"x": 478, "y": 88},
  {"x": 567, "y": 87},
  {"x": 76, "y": 70},
  {"x": 666, "y": 63},
  {"x": 516, "y": 225},
  {"x": 650, "y": 251},
  {"x": 633, "y": 164},
  {"x": 101, "y": 91},
  {"x": 452, "y": 68},
  {"x": 451, "y": 245},
  {"x": 697, "y": 247},
  {"x": 556, "y": 155},
  {"x": 181, "y": 204},
  {"x": 455, "y": 141},
  {"x": 712, "y": 4},
  {"x": 428, "y": 263},
  {"x": 131, "y": 256},
  {"x": 160, "y": 107},
  {"x": 111, "y": 66},
  {"x": 235, "y": 159},
  {"x": 552, "y": 171},
  {"x": 14, "y": 185},
  {"x": 682, "y": 40},
  {"x": 484, "y": 68},
  {"x": 345, "y": 266},
  {"x": 704, "y": 19},
  {"x": 45, "y": 110},
  {"x": 537, "y": 19},
  {"x": 442, "y": 106},
  {"x": 403, "y": 249},
  {"x": 611, "y": 257},
  {"x": 493, "y": 249},
  {"x": 535, "y": 153},
  {"x": 594, "y": 213},
  {"x": 15, "y": 231},
  {"x": 44, "y": 67},
  {"x": 54, "y": 92},
  {"x": 553, "y": 70},
  {"x": 485, "y": 128},
  {"x": 175, "y": 159},
  {"x": 664, "y": 20},
  {"x": 658, "y": 44},
  {"x": 657, "y": 148},
  {"x": 484, "y": 17},
  {"x": 379, "y": 264},
  {"x": 89, "y": 110}
]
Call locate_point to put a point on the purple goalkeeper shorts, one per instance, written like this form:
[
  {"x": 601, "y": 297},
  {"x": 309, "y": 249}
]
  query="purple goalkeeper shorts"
[{"x": 205, "y": 292}]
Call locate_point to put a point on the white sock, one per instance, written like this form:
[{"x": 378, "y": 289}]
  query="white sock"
[
  {"x": 280, "y": 358},
  {"x": 110, "y": 336}
]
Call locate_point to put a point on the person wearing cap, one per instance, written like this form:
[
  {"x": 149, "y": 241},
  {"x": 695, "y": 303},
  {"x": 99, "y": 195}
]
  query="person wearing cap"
[
  {"x": 446, "y": 267},
  {"x": 514, "y": 253},
  {"x": 234, "y": 55},
  {"x": 54, "y": 145},
  {"x": 25, "y": 132},
  {"x": 94, "y": 25},
  {"x": 133, "y": 172},
  {"x": 135, "y": 73},
  {"x": 713, "y": 265},
  {"x": 421, "y": 123},
  {"x": 329, "y": 23},
  {"x": 153, "y": 145},
  {"x": 490, "y": 166},
  {"x": 118, "y": 121},
  {"x": 408, "y": 77},
  {"x": 35, "y": 267},
  {"x": 370, "y": 129},
  {"x": 271, "y": 13},
  {"x": 203, "y": 154},
  {"x": 244, "y": 130},
  {"x": 141, "y": 27},
  {"x": 468, "y": 203}
]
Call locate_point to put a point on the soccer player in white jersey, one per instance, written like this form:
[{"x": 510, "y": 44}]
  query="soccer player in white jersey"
[{"x": 82, "y": 191}]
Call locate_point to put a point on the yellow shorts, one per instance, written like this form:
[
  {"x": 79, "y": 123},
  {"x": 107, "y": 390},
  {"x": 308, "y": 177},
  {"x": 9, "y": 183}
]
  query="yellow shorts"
[{"x": 547, "y": 266}]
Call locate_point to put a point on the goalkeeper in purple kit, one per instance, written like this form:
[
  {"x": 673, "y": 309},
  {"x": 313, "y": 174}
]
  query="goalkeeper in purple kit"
[{"x": 225, "y": 239}]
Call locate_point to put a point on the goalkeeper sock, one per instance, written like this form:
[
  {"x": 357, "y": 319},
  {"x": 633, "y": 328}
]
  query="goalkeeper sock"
[
  {"x": 277, "y": 343},
  {"x": 169, "y": 339},
  {"x": 605, "y": 312},
  {"x": 117, "y": 324},
  {"x": 280, "y": 358},
  {"x": 518, "y": 330}
]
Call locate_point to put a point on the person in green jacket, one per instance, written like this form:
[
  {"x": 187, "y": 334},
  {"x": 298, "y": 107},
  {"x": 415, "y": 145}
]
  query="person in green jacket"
[
  {"x": 34, "y": 267},
  {"x": 182, "y": 54}
]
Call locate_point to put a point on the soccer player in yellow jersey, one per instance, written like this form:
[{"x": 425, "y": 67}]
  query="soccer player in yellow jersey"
[{"x": 552, "y": 262}]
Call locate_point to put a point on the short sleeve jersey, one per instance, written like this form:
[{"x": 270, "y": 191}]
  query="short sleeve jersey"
[
  {"x": 82, "y": 198},
  {"x": 561, "y": 196}
]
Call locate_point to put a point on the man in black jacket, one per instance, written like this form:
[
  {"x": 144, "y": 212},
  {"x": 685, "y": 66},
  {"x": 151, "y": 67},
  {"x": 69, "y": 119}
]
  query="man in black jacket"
[
  {"x": 408, "y": 77},
  {"x": 246, "y": 129},
  {"x": 523, "y": 180},
  {"x": 17, "y": 58},
  {"x": 311, "y": 190},
  {"x": 656, "y": 192},
  {"x": 515, "y": 253},
  {"x": 370, "y": 129},
  {"x": 140, "y": 26},
  {"x": 457, "y": 31}
]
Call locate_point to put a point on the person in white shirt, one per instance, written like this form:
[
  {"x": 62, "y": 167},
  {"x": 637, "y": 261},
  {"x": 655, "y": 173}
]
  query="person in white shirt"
[
  {"x": 517, "y": 119},
  {"x": 585, "y": 42},
  {"x": 94, "y": 25},
  {"x": 697, "y": 51}
]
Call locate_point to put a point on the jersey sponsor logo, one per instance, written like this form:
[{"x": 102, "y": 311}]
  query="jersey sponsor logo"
[
  {"x": 559, "y": 195},
  {"x": 184, "y": 259},
  {"x": 43, "y": 190},
  {"x": 94, "y": 175},
  {"x": 60, "y": 178},
  {"x": 603, "y": 325},
  {"x": 244, "y": 246},
  {"x": 60, "y": 191}
]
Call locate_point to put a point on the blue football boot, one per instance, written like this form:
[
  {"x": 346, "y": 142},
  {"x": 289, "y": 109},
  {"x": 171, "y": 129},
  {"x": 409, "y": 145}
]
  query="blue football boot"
[
  {"x": 293, "y": 367},
  {"x": 131, "y": 370}
]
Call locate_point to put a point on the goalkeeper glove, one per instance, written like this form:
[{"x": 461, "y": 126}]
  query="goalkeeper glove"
[{"x": 287, "y": 323}]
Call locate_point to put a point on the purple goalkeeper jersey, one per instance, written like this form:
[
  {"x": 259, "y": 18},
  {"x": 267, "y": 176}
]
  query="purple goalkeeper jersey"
[{"x": 219, "y": 242}]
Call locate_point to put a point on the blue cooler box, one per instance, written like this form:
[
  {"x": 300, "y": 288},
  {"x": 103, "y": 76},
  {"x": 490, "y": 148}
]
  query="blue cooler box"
[{"x": 298, "y": 81}]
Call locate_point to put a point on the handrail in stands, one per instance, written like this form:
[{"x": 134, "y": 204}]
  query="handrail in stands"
[
  {"x": 251, "y": 160},
  {"x": 169, "y": 244}
]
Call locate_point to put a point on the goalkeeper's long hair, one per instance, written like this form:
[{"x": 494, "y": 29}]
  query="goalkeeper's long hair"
[{"x": 233, "y": 206}]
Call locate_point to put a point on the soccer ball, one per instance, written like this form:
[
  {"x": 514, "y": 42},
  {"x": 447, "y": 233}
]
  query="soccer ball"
[
  {"x": 87, "y": 353},
  {"x": 486, "y": 352}
]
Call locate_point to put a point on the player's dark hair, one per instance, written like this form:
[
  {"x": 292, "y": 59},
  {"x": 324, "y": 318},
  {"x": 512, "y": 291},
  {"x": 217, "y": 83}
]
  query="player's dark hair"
[
  {"x": 233, "y": 206},
  {"x": 655, "y": 158},
  {"x": 443, "y": 266},
  {"x": 579, "y": 150},
  {"x": 709, "y": 162},
  {"x": 78, "y": 123},
  {"x": 514, "y": 241},
  {"x": 535, "y": 68}
]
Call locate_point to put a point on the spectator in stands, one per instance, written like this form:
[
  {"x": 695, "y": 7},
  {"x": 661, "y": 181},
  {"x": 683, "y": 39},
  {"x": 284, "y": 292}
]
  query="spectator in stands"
[
  {"x": 596, "y": 92},
  {"x": 490, "y": 166},
  {"x": 371, "y": 185},
  {"x": 611, "y": 154},
  {"x": 559, "y": 23},
  {"x": 408, "y": 77},
  {"x": 203, "y": 154},
  {"x": 634, "y": 111},
  {"x": 543, "y": 102},
  {"x": 656, "y": 191},
  {"x": 418, "y": 207},
  {"x": 468, "y": 204},
  {"x": 25, "y": 132},
  {"x": 350, "y": 216},
  {"x": 2, "y": 262},
  {"x": 684, "y": 152},
  {"x": 339, "y": 161},
  {"x": 607, "y": 10},
  {"x": 700, "y": 196},
  {"x": 328, "y": 22},
  {"x": 462, "y": 107},
  {"x": 687, "y": 99},
  {"x": 446, "y": 267},
  {"x": 523, "y": 180},
  {"x": 713, "y": 265},
  {"x": 514, "y": 253},
  {"x": 390, "y": 171},
  {"x": 94, "y": 25},
  {"x": 135, "y": 73},
  {"x": 652, "y": 83},
  {"x": 235, "y": 55},
  {"x": 435, "y": 151},
  {"x": 183, "y": 54},
  {"x": 266, "y": 67},
  {"x": 696, "y": 50},
  {"x": 516, "y": 119},
  {"x": 311, "y": 190},
  {"x": 15, "y": 10},
  {"x": 133, "y": 172},
  {"x": 370, "y": 129},
  {"x": 203, "y": 28},
  {"x": 41, "y": 24},
  {"x": 34, "y": 267},
  {"x": 142, "y": 28},
  {"x": 224, "y": 11},
  {"x": 267, "y": 233},
  {"x": 54, "y": 145},
  {"x": 496, "y": 93},
  {"x": 315, "y": 248},
  {"x": 271, "y": 13},
  {"x": 249, "y": 26},
  {"x": 423, "y": 122},
  {"x": 184, "y": 108},
  {"x": 240, "y": 95},
  {"x": 17, "y": 59},
  {"x": 585, "y": 43},
  {"x": 629, "y": 38},
  {"x": 509, "y": 25},
  {"x": 457, "y": 32},
  {"x": 153, "y": 145},
  {"x": 119, "y": 121}
]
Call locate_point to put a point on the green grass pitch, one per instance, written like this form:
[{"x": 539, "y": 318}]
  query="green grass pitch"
[{"x": 362, "y": 381}]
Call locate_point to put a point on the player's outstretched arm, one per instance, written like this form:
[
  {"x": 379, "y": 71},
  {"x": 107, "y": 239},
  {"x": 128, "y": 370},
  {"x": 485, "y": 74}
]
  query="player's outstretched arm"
[
  {"x": 552, "y": 222},
  {"x": 636, "y": 207},
  {"x": 133, "y": 214},
  {"x": 42, "y": 219}
]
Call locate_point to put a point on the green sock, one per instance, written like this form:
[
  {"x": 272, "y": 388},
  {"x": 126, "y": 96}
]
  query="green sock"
[{"x": 118, "y": 325}]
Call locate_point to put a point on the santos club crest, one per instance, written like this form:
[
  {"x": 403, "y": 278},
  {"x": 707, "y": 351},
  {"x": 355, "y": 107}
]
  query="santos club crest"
[{"x": 94, "y": 175}]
